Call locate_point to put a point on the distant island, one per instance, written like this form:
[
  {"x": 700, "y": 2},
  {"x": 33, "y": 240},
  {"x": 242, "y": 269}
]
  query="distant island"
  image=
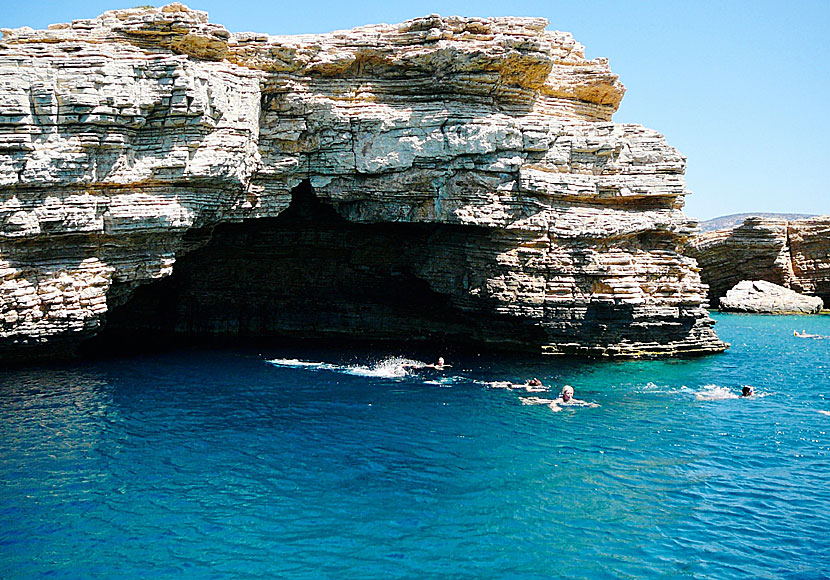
[{"x": 736, "y": 219}]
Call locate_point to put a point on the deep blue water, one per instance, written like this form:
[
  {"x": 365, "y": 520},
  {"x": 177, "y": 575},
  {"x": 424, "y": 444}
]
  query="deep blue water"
[{"x": 214, "y": 463}]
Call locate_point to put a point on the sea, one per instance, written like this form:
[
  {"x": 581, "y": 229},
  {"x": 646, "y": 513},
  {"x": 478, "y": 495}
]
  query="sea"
[{"x": 330, "y": 463}]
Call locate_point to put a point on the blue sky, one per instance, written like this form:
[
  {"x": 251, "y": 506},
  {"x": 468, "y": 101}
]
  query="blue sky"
[{"x": 741, "y": 88}]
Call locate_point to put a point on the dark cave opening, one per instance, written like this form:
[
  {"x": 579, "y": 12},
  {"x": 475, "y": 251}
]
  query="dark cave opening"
[{"x": 309, "y": 274}]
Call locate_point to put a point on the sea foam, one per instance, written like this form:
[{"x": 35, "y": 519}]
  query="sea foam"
[
  {"x": 715, "y": 393},
  {"x": 393, "y": 367}
]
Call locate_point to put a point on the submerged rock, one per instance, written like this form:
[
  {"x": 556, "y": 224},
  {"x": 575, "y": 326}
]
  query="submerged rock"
[
  {"x": 762, "y": 297},
  {"x": 439, "y": 179}
]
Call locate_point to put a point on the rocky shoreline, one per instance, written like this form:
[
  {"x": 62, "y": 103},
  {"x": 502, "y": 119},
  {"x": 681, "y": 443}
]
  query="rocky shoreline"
[{"x": 793, "y": 254}]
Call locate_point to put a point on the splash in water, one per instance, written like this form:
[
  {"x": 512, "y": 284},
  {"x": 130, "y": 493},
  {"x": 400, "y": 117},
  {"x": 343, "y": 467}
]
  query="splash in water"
[
  {"x": 389, "y": 368},
  {"x": 715, "y": 393},
  {"x": 536, "y": 401},
  {"x": 296, "y": 363},
  {"x": 393, "y": 367}
]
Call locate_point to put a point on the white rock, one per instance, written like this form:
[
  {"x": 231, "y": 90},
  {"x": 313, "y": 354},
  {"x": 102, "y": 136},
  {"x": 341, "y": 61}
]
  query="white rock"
[{"x": 760, "y": 296}]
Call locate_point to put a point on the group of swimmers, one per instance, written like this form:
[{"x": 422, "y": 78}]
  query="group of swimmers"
[
  {"x": 534, "y": 385},
  {"x": 566, "y": 397}
]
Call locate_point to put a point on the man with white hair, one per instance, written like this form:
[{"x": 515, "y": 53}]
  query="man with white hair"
[{"x": 566, "y": 397}]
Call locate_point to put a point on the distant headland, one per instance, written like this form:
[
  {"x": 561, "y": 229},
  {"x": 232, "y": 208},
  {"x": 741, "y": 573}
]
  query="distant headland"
[{"x": 736, "y": 219}]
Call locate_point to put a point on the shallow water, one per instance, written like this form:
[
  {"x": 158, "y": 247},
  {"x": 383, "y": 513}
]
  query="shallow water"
[{"x": 216, "y": 463}]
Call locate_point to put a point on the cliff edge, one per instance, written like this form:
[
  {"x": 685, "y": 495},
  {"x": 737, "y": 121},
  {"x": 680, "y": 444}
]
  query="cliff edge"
[{"x": 443, "y": 178}]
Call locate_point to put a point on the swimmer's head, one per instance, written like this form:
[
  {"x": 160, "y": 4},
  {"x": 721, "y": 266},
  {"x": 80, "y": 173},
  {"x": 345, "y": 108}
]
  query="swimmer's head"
[
  {"x": 567, "y": 393},
  {"x": 440, "y": 361},
  {"x": 747, "y": 391}
]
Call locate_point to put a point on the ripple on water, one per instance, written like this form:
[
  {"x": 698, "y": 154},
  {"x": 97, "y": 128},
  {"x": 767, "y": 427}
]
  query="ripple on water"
[{"x": 316, "y": 464}]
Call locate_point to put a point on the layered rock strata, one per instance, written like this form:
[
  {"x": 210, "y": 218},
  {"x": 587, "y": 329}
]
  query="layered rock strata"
[
  {"x": 794, "y": 254},
  {"x": 477, "y": 156},
  {"x": 762, "y": 297}
]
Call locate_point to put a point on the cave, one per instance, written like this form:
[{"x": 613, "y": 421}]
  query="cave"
[{"x": 309, "y": 274}]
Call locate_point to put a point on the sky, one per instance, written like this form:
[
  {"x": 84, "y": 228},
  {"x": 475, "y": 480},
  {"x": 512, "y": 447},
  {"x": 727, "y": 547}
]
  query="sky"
[{"x": 740, "y": 87}]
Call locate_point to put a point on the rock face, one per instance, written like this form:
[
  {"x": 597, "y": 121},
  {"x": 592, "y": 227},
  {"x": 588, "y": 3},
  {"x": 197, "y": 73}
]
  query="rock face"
[
  {"x": 793, "y": 254},
  {"x": 443, "y": 178},
  {"x": 762, "y": 297}
]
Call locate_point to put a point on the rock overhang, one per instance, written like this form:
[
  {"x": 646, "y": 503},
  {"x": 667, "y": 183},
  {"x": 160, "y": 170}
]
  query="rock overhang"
[{"x": 122, "y": 133}]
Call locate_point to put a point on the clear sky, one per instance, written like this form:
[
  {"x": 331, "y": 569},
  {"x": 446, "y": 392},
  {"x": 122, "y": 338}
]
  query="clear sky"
[{"x": 739, "y": 87}]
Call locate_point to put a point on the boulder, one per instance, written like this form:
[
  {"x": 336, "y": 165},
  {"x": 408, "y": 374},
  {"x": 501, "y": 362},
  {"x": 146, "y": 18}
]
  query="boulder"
[{"x": 762, "y": 297}]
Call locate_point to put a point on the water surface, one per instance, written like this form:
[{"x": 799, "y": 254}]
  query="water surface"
[{"x": 216, "y": 463}]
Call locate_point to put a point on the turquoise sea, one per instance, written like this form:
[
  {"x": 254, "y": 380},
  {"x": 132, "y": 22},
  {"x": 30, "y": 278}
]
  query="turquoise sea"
[{"x": 216, "y": 463}]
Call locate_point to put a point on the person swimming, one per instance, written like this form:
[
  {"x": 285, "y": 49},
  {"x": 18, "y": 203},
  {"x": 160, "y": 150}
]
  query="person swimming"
[
  {"x": 440, "y": 365},
  {"x": 803, "y": 334},
  {"x": 566, "y": 397},
  {"x": 747, "y": 391},
  {"x": 531, "y": 386},
  {"x": 534, "y": 385}
]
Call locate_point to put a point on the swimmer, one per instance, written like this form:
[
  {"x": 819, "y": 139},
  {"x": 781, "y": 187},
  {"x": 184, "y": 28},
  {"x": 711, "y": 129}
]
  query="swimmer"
[
  {"x": 567, "y": 398},
  {"x": 747, "y": 391},
  {"x": 439, "y": 366},
  {"x": 534, "y": 385},
  {"x": 531, "y": 386},
  {"x": 803, "y": 334}
]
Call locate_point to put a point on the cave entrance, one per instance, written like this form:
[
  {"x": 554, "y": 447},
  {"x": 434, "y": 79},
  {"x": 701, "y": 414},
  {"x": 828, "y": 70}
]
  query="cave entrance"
[{"x": 311, "y": 274}]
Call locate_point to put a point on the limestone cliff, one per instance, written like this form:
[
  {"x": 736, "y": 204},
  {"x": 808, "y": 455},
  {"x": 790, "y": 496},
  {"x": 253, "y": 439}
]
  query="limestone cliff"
[
  {"x": 444, "y": 178},
  {"x": 794, "y": 254}
]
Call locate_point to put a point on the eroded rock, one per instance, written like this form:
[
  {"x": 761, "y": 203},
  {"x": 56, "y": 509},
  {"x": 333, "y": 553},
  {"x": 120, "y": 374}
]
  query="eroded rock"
[
  {"x": 794, "y": 254},
  {"x": 127, "y": 139},
  {"x": 762, "y": 297}
]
